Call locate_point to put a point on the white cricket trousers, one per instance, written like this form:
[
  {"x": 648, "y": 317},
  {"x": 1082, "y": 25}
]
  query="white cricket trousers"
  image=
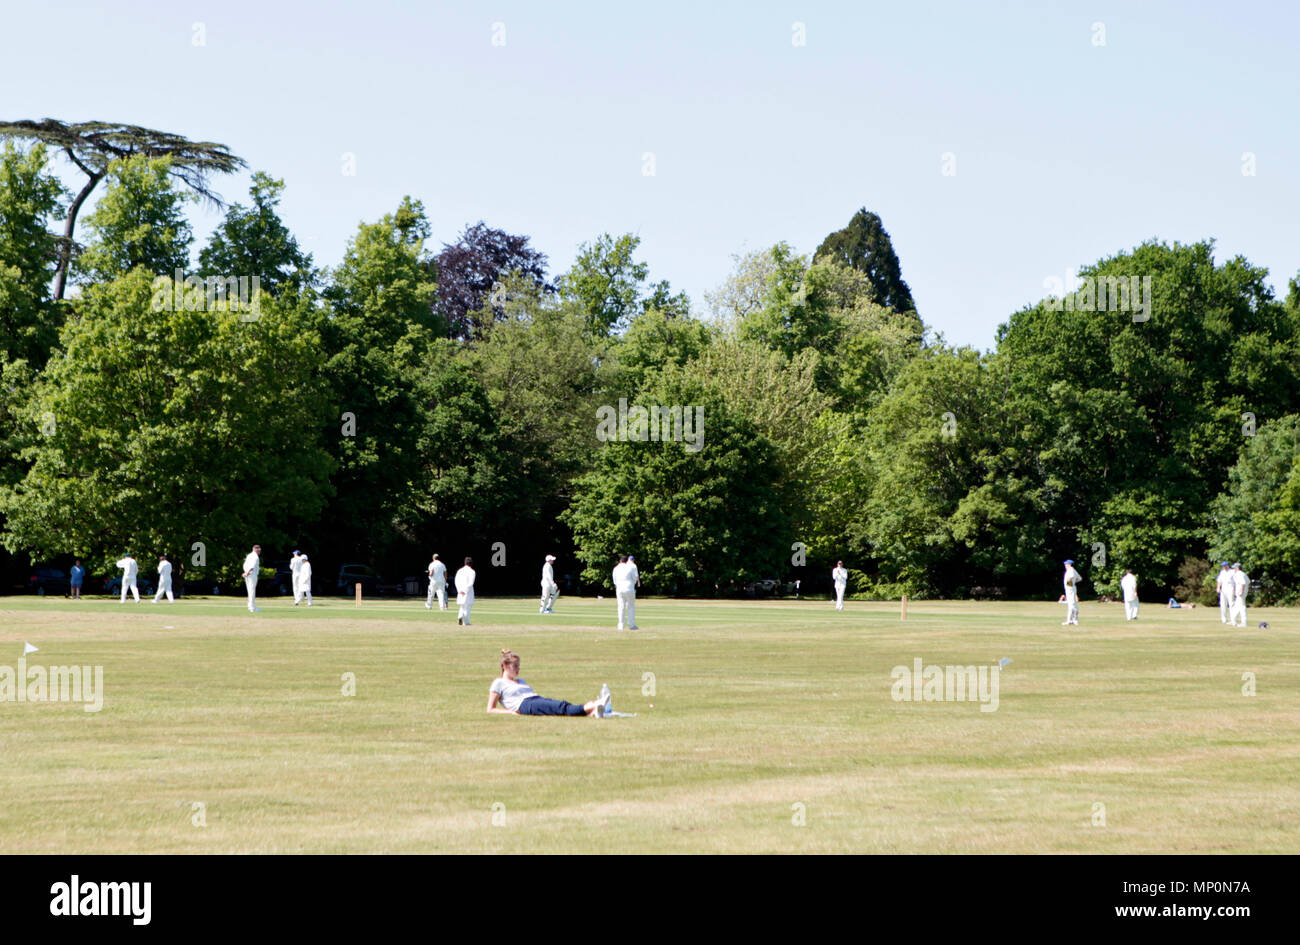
[
  {"x": 164, "y": 587},
  {"x": 1071, "y": 608},
  {"x": 128, "y": 584},
  {"x": 297, "y": 588},
  {"x": 1130, "y": 609},
  {"x": 1237, "y": 617},
  {"x": 626, "y": 610},
  {"x": 437, "y": 589},
  {"x": 839, "y": 596},
  {"x": 1225, "y": 608},
  {"x": 464, "y": 603},
  {"x": 251, "y": 583},
  {"x": 549, "y": 590}
]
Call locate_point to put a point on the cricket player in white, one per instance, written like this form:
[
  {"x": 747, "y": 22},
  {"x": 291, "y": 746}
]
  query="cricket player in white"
[
  {"x": 295, "y": 572},
  {"x": 164, "y": 580},
  {"x": 1240, "y": 588},
  {"x": 130, "y": 570},
  {"x": 465, "y": 592},
  {"x": 840, "y": 575},
  {"x": 1129, "y": 585},
  {"x": 549, "y": 588},
  {"x": 626, "y": 577},
  {"x": 304, "y": 579},
  {"x": 1071, "y": 582},
  {"x": 1223, "y": 584},
  {"x": 252, "y": 570},
  {"x": 437, "y": 584}
]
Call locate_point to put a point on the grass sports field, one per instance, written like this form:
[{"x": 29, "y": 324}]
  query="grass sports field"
[{"x": 773, "y": 729}]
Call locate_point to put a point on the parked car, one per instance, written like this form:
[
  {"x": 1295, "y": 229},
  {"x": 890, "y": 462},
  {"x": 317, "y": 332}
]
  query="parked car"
[
  {"x": 113, "y": 585},
  {"x": 352, "y": 574},
  {"x": 764, "y": 588},
  {"x": 282, "y": 583},
  {"x": 49, "y": 581}
]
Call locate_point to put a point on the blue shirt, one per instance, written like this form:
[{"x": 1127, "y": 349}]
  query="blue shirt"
[{"x": 77, "y": 574}]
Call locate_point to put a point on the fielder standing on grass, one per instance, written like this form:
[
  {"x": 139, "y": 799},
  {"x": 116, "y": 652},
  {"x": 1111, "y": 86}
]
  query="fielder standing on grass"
[
  {"x": 1223, "y": 584},
  {"x": 840, "y": 575},
  {"x": 549, "y": 587},
  {"x": 626, "y": 578},
  {"x": 253, "y": 570},
  {"x": 1240, "y": 588},
  {"x": 164, "y": 580},
  {"x": 295, "y": 565},
  {"x": 465, "y": 592},
  {"x": 304, "y": 579},
  {"x": 437, "y": 584},
  {"x": 1071, "y": 581},
  {"x": 130, "y": 571},
  {"x": 1129, "y": 585}
]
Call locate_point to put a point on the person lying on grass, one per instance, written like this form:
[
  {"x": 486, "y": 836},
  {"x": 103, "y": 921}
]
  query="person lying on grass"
[{"x": 516, "y": 697}]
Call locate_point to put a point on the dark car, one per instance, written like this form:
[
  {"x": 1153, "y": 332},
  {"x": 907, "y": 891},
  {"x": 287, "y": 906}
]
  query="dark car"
[
  {"x": 113, "y": 585},
  {"x": 353, "y": 574},
  {"x": 282, "y": 583},
  {"x": 764, "y": 588},
  {"x": 49, "y": 581}
]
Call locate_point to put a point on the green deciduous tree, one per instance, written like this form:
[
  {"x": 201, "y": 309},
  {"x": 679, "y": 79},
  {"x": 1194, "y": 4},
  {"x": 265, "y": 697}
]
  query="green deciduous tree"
[
  {"x": 159, "y": 429},
  {"x": 139, "y": 222},
  {"x": 29, "y": 198},
  {"x": 1256, "y": 520},
  {"x": 698, "y": 522},
  {"x": 376, "y": 337}
]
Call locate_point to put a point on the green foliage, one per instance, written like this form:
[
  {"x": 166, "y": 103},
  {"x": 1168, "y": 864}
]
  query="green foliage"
[
  {"x": 376, "y": 337},
  {"x": 253, "y": 241},
  {"x": 158, "y": 429},
  {"x": 865, "y": 246},
  {"x": 458, "y": 445},
  {"x": 655, "y": 339},
  {"x": 605, "y": 282},
  {"x": 1256, "y": 520},
  {"x": 139, "y": 222},
  {"x": 544, "y": 374},
  {"x": 29, "y": 198},
  {"x": 1196, "y": 578},
  {"x": 698, "y": 522}
]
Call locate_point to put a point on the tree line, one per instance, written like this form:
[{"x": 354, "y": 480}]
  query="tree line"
[{"x": 420, "y": 398}]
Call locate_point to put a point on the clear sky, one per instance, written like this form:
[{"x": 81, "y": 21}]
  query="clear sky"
[{"x": 536, "y": 117}]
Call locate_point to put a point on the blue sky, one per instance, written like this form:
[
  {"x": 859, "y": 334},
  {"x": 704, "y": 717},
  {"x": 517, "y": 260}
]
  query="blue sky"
[{"x": 1065, "y": 151}]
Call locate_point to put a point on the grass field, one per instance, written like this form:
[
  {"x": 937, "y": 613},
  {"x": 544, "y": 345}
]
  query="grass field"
[{"x": 765, "y": 715}]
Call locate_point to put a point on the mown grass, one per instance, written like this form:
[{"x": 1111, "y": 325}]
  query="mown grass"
[{"x": 764, "y": 714}]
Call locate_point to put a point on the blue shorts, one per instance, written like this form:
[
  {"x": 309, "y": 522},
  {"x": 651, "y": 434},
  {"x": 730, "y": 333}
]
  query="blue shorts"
[{"x": 539, "y": 705}]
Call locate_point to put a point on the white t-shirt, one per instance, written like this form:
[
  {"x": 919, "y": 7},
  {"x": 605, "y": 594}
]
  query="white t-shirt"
[
  {"x": 252, "y": 563},
  {"x": 625, "y": 577},
  {"x": 513, "y": 691},
  {"x": 438, "y": 572},
  {"x": 840, "y": 576},
  {"x": 130, "y": 566},
  {"x": 465, "y": 579},
  {"x": 1129, "y": 584}
]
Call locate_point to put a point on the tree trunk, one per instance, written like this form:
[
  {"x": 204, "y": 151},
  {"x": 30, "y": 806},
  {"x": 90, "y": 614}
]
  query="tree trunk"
[{"x": 65, "y": 251}]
